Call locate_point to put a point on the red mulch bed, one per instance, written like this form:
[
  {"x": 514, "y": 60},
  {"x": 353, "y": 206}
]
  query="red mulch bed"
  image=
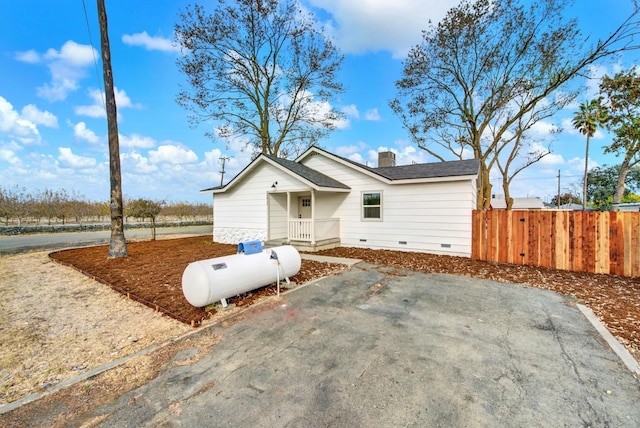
[{"x": 152, "y": 273}]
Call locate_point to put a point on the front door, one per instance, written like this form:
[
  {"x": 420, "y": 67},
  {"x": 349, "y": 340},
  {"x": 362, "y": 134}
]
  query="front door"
[{"x": 304, "y": 207}]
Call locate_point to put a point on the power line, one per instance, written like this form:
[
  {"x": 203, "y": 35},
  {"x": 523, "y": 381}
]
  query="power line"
[
  {"x": 93, "y": 52},
  {"x": 555, "y": 177}
]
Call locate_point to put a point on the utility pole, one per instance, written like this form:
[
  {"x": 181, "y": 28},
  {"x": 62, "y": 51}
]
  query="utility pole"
[
  {"x": 223, "y": 159},
  {"x": 118, "y": 244},
  {"x": 558, "y": 189}
]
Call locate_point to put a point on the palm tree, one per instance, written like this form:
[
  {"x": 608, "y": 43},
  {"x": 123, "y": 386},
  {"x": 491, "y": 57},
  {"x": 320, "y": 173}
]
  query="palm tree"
[{"x": 591, "y": 115}]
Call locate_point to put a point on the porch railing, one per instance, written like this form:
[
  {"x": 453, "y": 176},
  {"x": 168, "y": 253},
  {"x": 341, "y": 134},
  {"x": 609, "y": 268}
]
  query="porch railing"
[{"x": 305, "y": 229}]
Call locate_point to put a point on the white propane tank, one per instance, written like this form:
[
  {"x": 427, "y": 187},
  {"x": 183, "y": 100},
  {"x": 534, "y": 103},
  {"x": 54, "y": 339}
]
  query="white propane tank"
[{"x": 207, "y": 281}]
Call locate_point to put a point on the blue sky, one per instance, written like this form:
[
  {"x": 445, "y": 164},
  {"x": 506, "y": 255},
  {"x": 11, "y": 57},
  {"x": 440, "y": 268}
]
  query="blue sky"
[{"x": 53, "y": 131}]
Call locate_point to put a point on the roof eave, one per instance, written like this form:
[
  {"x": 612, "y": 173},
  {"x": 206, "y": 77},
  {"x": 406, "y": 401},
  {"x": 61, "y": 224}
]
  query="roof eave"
[
  {"x": 435, "y": 179},
  {"x": 255, "y": 162},
  {"x": 334, "y": 189}
]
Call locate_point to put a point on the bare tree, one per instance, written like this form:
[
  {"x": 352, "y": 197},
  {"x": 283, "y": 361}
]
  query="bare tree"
[
  {"x": 16, "y": 203},
  {"x": 517, "y": 150},
  {"x": 460, "y": 86},
  {"x": 117, "y": 244},
  {"x": 262, "y": 70}
]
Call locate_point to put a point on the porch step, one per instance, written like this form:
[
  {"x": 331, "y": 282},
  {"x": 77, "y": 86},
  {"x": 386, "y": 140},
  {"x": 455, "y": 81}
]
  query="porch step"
[
  {"x": 274, "y": 243},
  {"x": 303, "y": 245}
]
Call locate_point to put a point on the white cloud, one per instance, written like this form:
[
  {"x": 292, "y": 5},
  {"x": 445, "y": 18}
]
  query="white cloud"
[
  {"x": 97, "y": 109},
  {"x": 67, "y": 66},
  {"x": 137, "y": 141},
  {"x": 9, "y": 156},
  {"x": 150, "y": 43},
  {"x": 356, "y": 157},
  {"x": 172, "y": 154},
  {"x": 134, "y": 162},
  {"x": 351, "y": 111},
  {"x": 372, "y": 115},
  {"x": 210, "y": 168},
  {"x": 543, "y": 130},
  {"x": 374, "y": 25},
  {"x": 347, "y": 151},
  {"x": 549, "y": 160},
  {"x": 319, "y": 110},
  {"x": 67, "y": 159},
  {"x": 576, "y": 164},
  {"x": 14, "y": 125},
  {"x": 31, "y": 113},
  {"x": 30, "y": 56},
  {"x": 72, "y": 53},
  {"x": 81, "y": 131},
  {"x": 405, "y": 154},
  {"x": 552, "y": 160},
  {"x": 595, "y": 74}
]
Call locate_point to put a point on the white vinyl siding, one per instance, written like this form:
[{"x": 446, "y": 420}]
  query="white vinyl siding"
[
  {"x": 427, "y": 217},
  {"x": 244, "y": 207},
  {"x": 433, "y": 217},
  {"x": 277, "y": 216}
]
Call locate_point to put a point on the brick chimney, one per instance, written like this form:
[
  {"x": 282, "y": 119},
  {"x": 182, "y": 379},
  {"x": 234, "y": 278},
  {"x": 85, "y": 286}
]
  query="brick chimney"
[{"x": 386, "y": 159}]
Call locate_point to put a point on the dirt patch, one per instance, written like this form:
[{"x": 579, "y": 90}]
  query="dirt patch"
[
  {"x": 56, "y": 323},
  {"x": 83, "y": 396}
]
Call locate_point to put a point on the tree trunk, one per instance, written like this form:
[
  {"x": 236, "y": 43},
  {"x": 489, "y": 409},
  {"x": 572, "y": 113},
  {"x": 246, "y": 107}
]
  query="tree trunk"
[
  {"x": 586, "y": 170},
  {"x": 621, "y": 184},
  {"x": 153, "y": 228},
  {"x": 507, "y": 195},
  {"x": 118, "y": 244},
  {"x": 484, "y": 188}
]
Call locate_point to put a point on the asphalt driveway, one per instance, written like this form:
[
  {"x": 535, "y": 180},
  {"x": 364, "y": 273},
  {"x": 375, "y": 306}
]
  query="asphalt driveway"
[{"x": 378, "y": 347}]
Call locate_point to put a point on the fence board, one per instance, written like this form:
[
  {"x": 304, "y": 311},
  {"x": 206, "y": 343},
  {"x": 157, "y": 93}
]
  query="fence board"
[
  {"x": 628, "y": 234},
  {"x": 602, "y": 263},
  {"x": 598, "y": 242},
  {"x": 635, "y": 243},
  {"x": 546, "y": 238},
  {"x": 560, "y": 247}
]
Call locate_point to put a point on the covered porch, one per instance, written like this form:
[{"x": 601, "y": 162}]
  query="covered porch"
[{"x": 303, "y": 219}]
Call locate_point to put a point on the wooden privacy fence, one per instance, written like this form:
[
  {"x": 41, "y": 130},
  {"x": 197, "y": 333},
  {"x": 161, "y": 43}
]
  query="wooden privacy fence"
[{"x": 597, "y": 242}]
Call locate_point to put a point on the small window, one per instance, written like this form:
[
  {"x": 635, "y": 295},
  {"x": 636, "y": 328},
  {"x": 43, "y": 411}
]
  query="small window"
[
  {"x": 372, "y": 206},
  {"x": 306, "y": 202}
]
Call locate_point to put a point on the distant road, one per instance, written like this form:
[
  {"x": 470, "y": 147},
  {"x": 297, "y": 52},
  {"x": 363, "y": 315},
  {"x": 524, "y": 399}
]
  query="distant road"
[{"x": 25, "y": 243}]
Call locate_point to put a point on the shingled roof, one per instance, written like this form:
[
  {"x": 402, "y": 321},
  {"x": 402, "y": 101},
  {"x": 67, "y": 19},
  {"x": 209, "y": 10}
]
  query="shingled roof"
[
  {"x": 430, "y": 170},
  {"x": 315, "y": 177},
  {"x": 396, "y": 173},
  {"x": 418, "y": 171}
]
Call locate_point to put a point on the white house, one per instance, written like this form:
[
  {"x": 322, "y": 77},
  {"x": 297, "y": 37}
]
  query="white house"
[
  {"x": 498, "y": 202},
  {"x": 321, "y": 200},
  {"x": 626, "y": 207}
]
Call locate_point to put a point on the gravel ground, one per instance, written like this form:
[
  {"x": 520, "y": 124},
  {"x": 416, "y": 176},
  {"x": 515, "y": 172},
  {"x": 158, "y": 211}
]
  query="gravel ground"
[{"x": 56, "y": 323}]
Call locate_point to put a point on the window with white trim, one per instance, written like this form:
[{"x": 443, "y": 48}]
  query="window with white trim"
[{"x": 372, "y": 206}]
